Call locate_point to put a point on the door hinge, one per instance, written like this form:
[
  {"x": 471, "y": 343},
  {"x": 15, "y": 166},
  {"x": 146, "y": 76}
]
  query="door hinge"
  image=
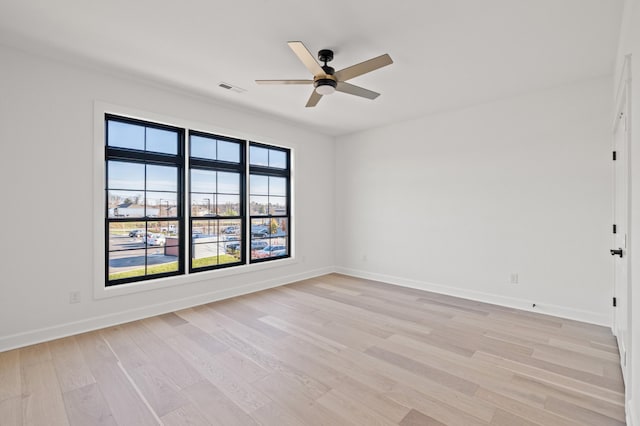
[
  {"x": 615, "y": 228},
  {"x": 615, "y": 302},
  {"x": 614, "y": 155}
]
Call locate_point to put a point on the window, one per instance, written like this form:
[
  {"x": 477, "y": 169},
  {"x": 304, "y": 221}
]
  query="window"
[
  {"x": 154, "y": 228},
  {"x": 269, "y": 202},
  {"x": 144, "y": 192},
  {"x": 217, "y": 201}
]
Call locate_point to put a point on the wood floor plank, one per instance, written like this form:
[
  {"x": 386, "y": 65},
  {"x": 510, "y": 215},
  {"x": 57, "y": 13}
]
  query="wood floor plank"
[
  {"x": 95, "y": 349},
  {"x": 430, "y": 373},
  {"x": 71, "y": 368},
  {"x": 416, "y": 418},
  {"x": 42, "y": 399},
  {"x": 11, "y": 411},
  {"x": 163, "y": 356},
  {"x": 187, "y": 415},
  {"x": 157, "y": 388},
  {"x": 584, "y": 415},
  {"x": 287, "y": 393},
  {"x": 342, "y": 404},
  {"x": 554, "y": 378},
  {"x": 504, "y": 418},
  {"x": 274, "y": 414},
  {"x": 233, "y": 386},
  {"x": 34, "y": 354},
  {"x": 126, "y": 404},
  {"x": 86, "y": 406},
  {"x": 10, "y": 383},
  {"x": 215, "y": 406},
  {"x": 526, "y": 411}
]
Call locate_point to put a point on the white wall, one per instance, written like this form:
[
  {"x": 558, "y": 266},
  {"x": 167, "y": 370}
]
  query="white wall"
[
  {"x": 630, "y": 45},
  {"x": 456, "y": 202},
  {"x": 46, "y": 217}
]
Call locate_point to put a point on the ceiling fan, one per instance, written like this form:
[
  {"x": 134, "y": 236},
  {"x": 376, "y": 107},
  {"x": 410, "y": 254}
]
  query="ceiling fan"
[{"x": 326, "y": 80}]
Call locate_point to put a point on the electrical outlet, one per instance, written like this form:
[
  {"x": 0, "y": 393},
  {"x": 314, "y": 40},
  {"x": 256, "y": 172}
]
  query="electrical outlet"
[
  {"x": 74, "y": 297},
  {"x": 513, "y": 279}
]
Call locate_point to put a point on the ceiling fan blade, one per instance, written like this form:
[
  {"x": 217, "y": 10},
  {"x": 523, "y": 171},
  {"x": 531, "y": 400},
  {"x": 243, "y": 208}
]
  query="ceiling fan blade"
[
  {"x": 284, "y": 81},
  {"x": 306, "y": 57},
  {"x": 356, "y": 90},
  {"x": 313, "y": 99},
  {"x": 363, "y": 67}
]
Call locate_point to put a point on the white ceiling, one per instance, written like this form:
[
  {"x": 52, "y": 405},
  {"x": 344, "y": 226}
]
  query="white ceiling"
[{"x": 447, "y": 53}]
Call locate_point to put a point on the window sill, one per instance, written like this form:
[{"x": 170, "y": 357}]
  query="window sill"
[{"x": 102, "y": 292}]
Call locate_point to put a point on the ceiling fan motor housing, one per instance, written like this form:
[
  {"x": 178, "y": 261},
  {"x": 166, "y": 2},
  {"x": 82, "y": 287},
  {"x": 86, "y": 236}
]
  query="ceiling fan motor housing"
[{"x": 325, "y": 82}]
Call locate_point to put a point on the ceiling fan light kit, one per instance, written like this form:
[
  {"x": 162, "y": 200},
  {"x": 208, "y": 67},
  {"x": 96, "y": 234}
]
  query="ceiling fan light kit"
[{"x": 326, "y": 80}]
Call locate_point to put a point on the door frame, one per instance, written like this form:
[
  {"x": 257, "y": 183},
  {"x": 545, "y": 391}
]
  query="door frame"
[{"x": 623, "y": 106}]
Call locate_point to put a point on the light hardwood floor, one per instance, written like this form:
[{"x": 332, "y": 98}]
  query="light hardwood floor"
[{"x": 332, "y": 350}]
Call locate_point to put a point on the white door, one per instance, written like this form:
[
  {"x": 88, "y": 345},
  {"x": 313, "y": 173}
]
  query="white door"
[{"x": 620, "y": 237}]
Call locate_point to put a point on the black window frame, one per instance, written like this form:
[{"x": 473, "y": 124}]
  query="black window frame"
[
  {"x": 112, "y": 153},
  {"x": 270, "y": 172},
  {"x": 197, "y": 163}
]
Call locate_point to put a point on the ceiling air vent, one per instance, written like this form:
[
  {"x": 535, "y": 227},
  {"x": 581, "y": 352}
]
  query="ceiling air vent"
[{"x": 231, "y": 87}]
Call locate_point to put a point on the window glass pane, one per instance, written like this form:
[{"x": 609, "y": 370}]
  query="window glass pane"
[
  {"x": 273, "y": 249},
  {"x": 204, "y": 229},
  {"x": 279, "y": 227},
  {"x": 277, "y": 186},
  {"x": 231, "y": 227},
  {"x": 162, "y": 204},
  {"x": 229, "y": 151},
  {"x": 126, "y": 264},
  {"x": 203, "y": 181},
  {"x": 160, "y": 140},
  {"x": 203, "y": 204},
  {"x": 124, "y": 175},
  {"x": 258, "y": 156},
  {"x": 208, "y": 245},
  {"x": 259, "y": 205},
  {"x": 259, "y": 228},
  {"x": 229, "y": 183},
  {"x": 277, "y": 159},
  {"x": 125, "y": 203},
  {"x": 202, "y": 147},
  {"x": 278, "y": 205},
  {"x": 126, "y": 235},
  {"x": 259, "y": 185},
  {"x": 125, "y": 135},
  {"x": 167, "y": 228},
  {"x": 204, "y": 253},
  {"x": 162, "y": 178},
  {"x": 257, "y": 245},
  {"x": 228, "y": 205},
  {"x": 159, "y": 262}
]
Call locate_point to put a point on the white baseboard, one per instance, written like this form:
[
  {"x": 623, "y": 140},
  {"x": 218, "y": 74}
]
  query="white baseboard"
[
  {"x": 68, "y": 329},
  {"x": 511, "y": 302}
]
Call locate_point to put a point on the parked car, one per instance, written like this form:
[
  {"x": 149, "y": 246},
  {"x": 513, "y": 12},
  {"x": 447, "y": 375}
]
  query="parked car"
[
  {"x": 230, "y": 230},
  {"x": 258, "y": 245},
  {"x": 136, "y": 233},
  {"x": 271, "y": 251},
  {"x": 232, "y": 246},
  {"x": 155, "y": 240}
]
